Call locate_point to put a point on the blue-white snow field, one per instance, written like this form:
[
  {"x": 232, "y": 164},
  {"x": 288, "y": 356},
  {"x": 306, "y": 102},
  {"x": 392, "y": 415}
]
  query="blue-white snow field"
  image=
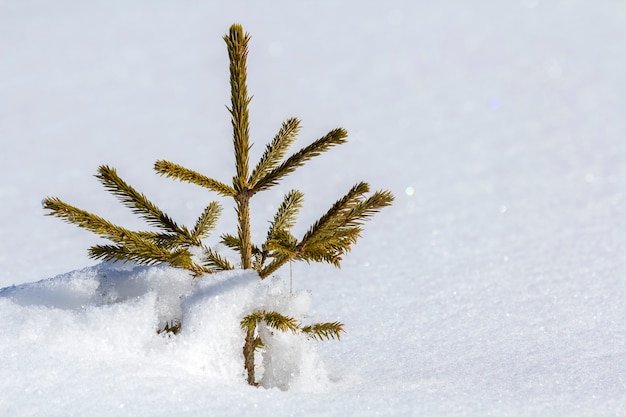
[{"x": 494, "y": 286}]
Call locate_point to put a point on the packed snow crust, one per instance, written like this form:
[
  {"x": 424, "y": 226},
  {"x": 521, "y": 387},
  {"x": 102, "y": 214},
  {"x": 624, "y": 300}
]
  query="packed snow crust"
[{"x": 494, "y": 286}]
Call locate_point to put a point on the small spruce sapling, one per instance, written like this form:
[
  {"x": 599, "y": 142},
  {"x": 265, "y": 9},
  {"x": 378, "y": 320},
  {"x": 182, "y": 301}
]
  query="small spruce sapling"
[{"x": 327, "y": 240}]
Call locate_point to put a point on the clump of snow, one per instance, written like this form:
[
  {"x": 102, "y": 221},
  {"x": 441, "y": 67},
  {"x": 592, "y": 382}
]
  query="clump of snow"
[
  {"x": 113, "y": 312},
  {"x": 289, "y": 359}
]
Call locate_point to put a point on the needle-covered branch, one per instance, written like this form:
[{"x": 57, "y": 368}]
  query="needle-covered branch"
[
  {"x": 237, "y": 45},
  {"x": 179, "y": 172},
  {"x": 333, "y": 235},
  {"x": 143, "y": 252},
  {"x": 135, "y": 200},
  {"x": 86, "y": 220},
  {"x": 321, "y": 331},
  {"x": 285, "y": 217},
  {"x": 323, "y": 144},
  {"x": 171, "y": 246},
  {"x": 214, "y": 261},
  {"x": 276, "y": 149},
  {"x": 207, "y": 221}
]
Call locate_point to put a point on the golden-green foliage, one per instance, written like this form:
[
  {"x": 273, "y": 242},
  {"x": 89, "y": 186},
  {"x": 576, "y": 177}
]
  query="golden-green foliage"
[
  {"x": 169, "y": 243},
  {"x": 327, "y": 240}
]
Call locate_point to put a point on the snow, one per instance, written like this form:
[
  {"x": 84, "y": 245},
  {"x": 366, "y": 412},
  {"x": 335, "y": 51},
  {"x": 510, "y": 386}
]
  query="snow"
[{"x": 493, "y": 286}]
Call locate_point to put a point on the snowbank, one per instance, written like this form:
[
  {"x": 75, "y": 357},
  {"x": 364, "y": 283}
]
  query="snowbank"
[{"x": 109, "y": 314}]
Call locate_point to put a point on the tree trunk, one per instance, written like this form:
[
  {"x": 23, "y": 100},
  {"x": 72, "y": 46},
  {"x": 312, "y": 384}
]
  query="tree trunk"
[
  {"x": 243, "y": 214},
  {"x": 248, "y": 356}
]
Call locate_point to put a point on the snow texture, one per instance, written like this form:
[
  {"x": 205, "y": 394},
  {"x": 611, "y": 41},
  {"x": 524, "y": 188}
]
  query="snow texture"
[{"x": 493, "y": 287}]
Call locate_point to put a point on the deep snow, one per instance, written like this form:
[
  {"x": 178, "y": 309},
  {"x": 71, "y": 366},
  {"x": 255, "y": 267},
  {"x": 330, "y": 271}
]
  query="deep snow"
[{"x": 493, "y": 286}]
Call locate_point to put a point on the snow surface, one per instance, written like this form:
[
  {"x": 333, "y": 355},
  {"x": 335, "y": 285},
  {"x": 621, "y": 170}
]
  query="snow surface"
[{"x": 494, "y": 286}]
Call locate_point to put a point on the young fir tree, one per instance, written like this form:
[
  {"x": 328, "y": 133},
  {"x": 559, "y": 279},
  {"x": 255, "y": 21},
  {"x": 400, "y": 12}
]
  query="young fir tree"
[{"x": 327, "y": 240}]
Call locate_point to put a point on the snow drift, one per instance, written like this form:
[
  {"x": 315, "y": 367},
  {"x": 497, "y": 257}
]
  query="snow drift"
[{"x": 111, "y": 314}]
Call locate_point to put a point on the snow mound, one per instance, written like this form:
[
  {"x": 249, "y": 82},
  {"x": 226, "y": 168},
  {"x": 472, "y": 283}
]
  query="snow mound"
[{"x": 111, "y": 313}]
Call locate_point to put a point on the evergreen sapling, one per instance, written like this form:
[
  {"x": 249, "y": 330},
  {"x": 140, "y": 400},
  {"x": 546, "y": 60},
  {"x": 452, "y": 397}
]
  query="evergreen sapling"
[{"x": 167, "y": 242}]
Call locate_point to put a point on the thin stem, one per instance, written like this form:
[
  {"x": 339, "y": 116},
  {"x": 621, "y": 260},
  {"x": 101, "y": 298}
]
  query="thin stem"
[{"x": 243, "y": 215}]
